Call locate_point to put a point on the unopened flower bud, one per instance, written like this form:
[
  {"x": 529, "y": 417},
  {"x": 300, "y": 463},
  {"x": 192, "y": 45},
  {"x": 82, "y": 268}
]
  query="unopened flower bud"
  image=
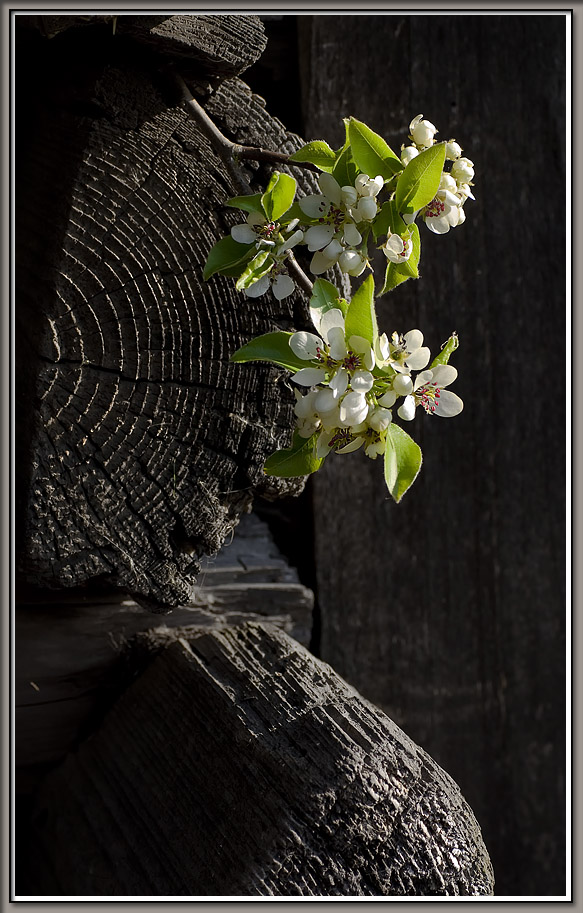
[
  {"x": 463, "y": 170},
  {"x": 351, "y": 262},
  {"x": 402, "y": 384},
  {"x": 422, "y": 131},
  {"x": 408, "y": 153},
  {"x": 453, "y": 150},
  {"x": 448, "y": 182}
]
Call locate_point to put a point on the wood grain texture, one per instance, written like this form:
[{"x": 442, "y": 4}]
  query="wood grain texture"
[
  {"x": 76, "y": 652},
  {"x": 219, "y": 46},
  {"x": 139, "y": 443},
  {"x": 448, "y": 610},
  {"x": 240, "y": 765}
]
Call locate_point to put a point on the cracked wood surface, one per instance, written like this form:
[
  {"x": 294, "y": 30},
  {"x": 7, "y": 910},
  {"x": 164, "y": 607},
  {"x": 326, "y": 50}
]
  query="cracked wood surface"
[
  {"x": 236, "y": 765},
  {"x": 139, "y": 443},
  {"x": 68, "y": 670}
]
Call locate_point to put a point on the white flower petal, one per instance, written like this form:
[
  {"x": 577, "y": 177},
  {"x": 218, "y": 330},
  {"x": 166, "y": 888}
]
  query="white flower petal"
[
  {"x": 333, "y": 249},
  {"x": 315, "y": 205},
  {"x": 423, "y": 378},
  {"x": 320, "y": 263},
  {"x": 305, "y": 345},
  {"x": 283, "y": 286},
  {"x": 353, "y": 409},
  {"x": 291, "y": 241},
  {"x": 413, "y": 339},
  {"x": 419, "y": 358},
  {"x": 337, "y": 342},
  {"x": 325, "y": 400},
  {"x": 258, "y": 288},
  {"x": 366, "y": 210},
  {"x": 332, "y": 318},
  {"x": 387, "y": 399},
  {"x": 443, "y": 375},
  {"x": 448, "y": 405},
  {"x": 439, "y": 225},
  {"x": 407, "y": 410},
  {"x": 243, "y": 234},
  {"x": 362, "y": 381},
  {"x": 330, "y": 187},
  {"x": 318, "y": 236},
  {"x": 352, "y": 236},
  {"x": 339, "y": 382},
  {"x": 402, "y": 385},
  {"x": 308, "y": 377}
]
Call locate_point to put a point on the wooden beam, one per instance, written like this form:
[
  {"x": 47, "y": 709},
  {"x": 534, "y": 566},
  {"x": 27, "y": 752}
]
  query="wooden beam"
[{"x": 238, "y": 765}]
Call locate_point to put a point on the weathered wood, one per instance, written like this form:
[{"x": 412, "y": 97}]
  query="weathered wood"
[
  {"x": 240, "y": 765},
  {"x": 139, "y": 444},
  {"x": 217, "y": 45},
  {"x": 448, "y": 611},
  {"x": 72, "y": 653}
]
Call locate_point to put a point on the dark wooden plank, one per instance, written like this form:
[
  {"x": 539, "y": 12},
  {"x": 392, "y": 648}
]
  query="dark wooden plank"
[
  {"x": 449, "y": 610},
  {"x": 71, "y": 653},
  {"x": 239, "y": 765}
]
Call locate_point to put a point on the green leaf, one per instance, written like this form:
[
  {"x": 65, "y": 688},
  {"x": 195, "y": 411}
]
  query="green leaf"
[
  {"x": 446, "y": 350},
  {"x": 318, "y": 153},
  {"x": 250, "y": 202},
  {"x": 344, "y": 169},
  {"x": 402, "y": 461},
  {"x": 370, "y": 151},
  {"x": 420, "y": 180},
  {"x": 387, "y": 219},
  {"x": 325, "y": 296},
  {"x": 259, "y": 266},
  {"x": 271, "y": 347},
  {"x": 361, "y": 318},
  {"x": 225, "y": 256},
  {"x": 279, "y": 195},
  {"x": 409, "y": 269},
  {"x": 299, "y": 460}
]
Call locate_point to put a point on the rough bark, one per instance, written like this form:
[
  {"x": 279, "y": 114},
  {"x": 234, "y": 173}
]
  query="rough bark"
[
  {"x": 139, "y": 444},
  {"x": 75, "y": 653},
  {"x": 448, "y": 610},
  {"x": 240, "y": 765}
]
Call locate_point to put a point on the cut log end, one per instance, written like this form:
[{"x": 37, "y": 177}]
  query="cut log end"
[{"x": 248, "y": 767}]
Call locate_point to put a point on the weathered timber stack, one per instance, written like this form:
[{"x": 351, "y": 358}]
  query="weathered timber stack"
[
  {"x": 76, "y": 652},
  {"x": 237, "y": 765},
  {"x": 139, "y": 444}
]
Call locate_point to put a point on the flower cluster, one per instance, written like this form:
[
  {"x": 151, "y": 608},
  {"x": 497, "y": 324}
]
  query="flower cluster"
[
  {"x": 353, "y": 386},
  {"x": 351, "y": 383},
  {"x": 446, "y": 209}
]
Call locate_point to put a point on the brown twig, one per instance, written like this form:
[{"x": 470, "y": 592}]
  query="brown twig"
[{"x": 230, "y": 152}]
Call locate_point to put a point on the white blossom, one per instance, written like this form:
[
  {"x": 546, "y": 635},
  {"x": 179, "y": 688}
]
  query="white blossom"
[
  {"x": 428, "y": 392},
  {"x": 422, "y": 131},
  {"x": 463, "y": 170},
  {"x": 408, "y": 153},
  {"x": 256, "y": 230},
  {"x": 453, "y": 150},
  {"x": 403, "y": 353},
  {"x": 332, "y": 356},
  {"x": 396, "y": 248}
]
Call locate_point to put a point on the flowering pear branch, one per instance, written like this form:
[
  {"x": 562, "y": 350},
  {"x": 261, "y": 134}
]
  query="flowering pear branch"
[
  {"x": 348, "y": 376},
  {"x": 230, "y": 153}
]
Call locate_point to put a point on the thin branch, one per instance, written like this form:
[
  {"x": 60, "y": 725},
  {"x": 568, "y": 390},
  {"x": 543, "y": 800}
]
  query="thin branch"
[{"x": 230, "y": 152}]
